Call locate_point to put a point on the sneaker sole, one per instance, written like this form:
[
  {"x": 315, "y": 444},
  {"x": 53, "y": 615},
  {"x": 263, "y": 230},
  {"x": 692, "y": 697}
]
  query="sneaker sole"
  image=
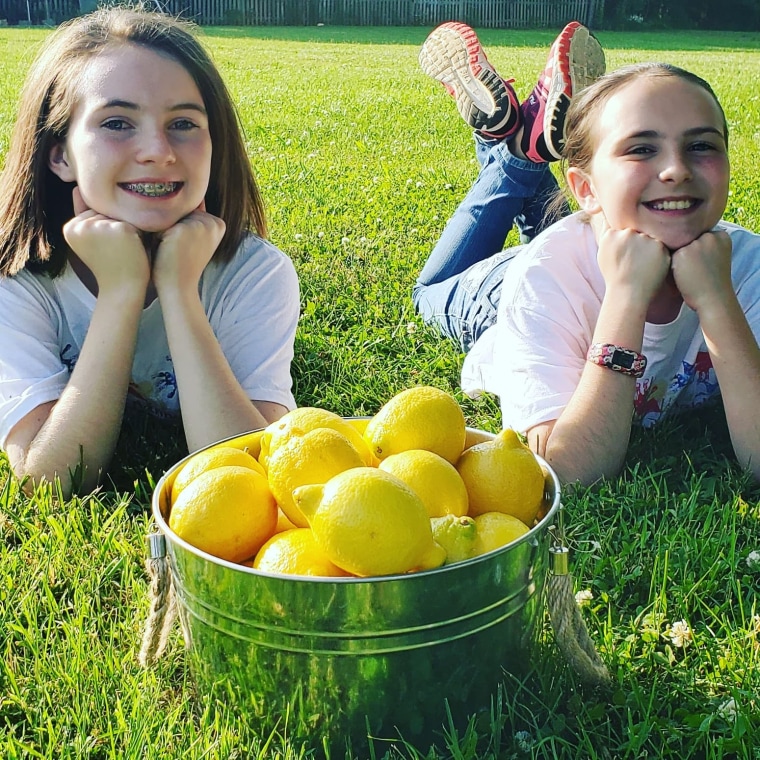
[
  {"x": 579, "y": 60},
  {"x": 453, "y": 55}
]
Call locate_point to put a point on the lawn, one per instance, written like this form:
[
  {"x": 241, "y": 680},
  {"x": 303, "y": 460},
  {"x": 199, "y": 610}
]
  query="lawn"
[{"x": 361, "y": 160}]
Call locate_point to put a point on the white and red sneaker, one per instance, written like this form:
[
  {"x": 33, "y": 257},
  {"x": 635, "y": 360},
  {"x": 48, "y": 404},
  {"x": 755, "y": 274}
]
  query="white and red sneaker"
[
  {"x": 576, "y": 59},
  {"x": 453, "y": 55}
]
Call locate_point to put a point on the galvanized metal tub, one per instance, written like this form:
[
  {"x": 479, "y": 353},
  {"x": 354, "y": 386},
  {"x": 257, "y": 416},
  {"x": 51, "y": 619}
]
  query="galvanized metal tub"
[{"x": 345, "y": 659}]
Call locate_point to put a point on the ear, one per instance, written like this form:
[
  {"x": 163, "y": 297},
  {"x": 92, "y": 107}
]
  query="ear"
[
  {"x": 582, "y": 188},
  {"x": 58, "y": 161}
]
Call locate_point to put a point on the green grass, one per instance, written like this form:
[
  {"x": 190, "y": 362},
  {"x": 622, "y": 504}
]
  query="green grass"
[{"x": 362, "y": 160}]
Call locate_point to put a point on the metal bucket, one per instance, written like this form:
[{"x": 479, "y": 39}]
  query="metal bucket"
[{"x": 340, "y": 660}]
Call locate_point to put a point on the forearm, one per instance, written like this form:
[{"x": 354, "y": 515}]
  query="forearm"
[
  {"x": 590, "y": 438},
  {"x": 213, "y": 403},
  {"x": 736, "y": 359},
  {"x": 76, "y": 440}
]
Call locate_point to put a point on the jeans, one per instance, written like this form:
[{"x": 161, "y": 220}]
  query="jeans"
[{"x": 459, "y": 287}]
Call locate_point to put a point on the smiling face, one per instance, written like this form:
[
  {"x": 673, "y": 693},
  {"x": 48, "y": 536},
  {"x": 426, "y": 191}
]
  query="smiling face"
[
  {"x": 660, "y": 163},
  {"x": 138, "y": 143}
]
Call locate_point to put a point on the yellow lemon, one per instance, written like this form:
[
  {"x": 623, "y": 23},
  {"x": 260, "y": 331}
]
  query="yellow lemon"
[
  {"x": 369, "y": 522},
  {"x": 228, "y": 512},
  {"x": 496, "y": 529},
  {"x": 503, "y": 475},
  {"x": 418, "y": 418},
  {"x": 313, "y": 457},
  {"x": 250, "y": 442},
  {"x": 457, "y": 535},
  {"x": 210, "y": 459},
  {"x": 283, "y": 522},
  {"x": 432, "y": 478},
  {"x": 302, "y": 420},
  {"x": 296, "y": 552}
]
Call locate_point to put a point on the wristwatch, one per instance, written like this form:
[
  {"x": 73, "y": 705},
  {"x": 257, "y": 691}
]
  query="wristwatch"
[{"x": 617, "y": 358}]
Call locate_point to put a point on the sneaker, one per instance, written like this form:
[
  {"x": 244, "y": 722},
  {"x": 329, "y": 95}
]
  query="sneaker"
[
  {"x": 576, "y": 59},
  {"x": 453, "y": 55}
]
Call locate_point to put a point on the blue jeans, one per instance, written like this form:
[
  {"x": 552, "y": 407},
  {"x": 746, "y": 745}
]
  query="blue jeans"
[{"x": 459, "y": 287}]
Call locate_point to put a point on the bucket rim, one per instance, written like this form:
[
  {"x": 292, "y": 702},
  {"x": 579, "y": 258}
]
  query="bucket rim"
[{"x": 171, "y": 537}]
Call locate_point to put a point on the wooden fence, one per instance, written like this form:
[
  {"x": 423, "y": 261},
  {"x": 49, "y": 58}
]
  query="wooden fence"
[{"x": 478, "y": 13}]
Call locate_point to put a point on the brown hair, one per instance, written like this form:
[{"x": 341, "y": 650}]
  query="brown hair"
[
  {"x": 35, "y": 203},
  {"x": 586, "y": 107}
]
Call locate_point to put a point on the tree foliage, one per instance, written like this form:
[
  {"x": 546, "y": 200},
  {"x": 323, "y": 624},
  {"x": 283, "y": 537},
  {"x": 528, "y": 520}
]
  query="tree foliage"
[{"x": 740, "y": 15}]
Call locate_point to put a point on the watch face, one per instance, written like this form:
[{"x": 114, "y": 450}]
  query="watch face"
[{"x": 623, "y": 358}]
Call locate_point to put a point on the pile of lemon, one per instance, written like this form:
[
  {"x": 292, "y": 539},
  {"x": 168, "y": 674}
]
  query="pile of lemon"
[{"x": 316, "y": 494}]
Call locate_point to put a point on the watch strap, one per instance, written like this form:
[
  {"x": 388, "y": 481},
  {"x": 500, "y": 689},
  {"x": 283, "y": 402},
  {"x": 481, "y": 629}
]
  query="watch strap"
[{"x": 617, "y": 358}]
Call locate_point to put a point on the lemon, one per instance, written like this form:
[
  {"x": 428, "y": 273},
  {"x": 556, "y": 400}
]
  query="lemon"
[
  {"x": 302, "y": 420},
  {"x": 228, "y": 512},
  {"x": 496, "y": 529},
  {"x": 369, "y": 522},
  {"x": 295, "y": 552},
  {"x": 503, "y": 475},
  {"x": 209, "y": 459},
  {"x": 432, "y": 478},
  {"x": 313, "y": 457},
  {"x": 457, "y": 535},
  {"x": 418, "y": 418},
  {"x": 283, "y": 522},
  {"x": 250, "y": 442}
]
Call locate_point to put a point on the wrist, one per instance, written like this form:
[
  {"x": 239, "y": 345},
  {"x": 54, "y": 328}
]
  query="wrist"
[{"x": 617, "y": 358}]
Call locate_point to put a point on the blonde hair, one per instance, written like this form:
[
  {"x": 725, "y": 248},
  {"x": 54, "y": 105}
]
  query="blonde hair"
[{"x": 35, "y": 204}]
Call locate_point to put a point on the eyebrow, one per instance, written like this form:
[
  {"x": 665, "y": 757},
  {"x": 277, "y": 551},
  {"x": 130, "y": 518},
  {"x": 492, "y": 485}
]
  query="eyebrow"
[
  {"x": 129, "y": 105},
  {"x": 651, "y": 133}
]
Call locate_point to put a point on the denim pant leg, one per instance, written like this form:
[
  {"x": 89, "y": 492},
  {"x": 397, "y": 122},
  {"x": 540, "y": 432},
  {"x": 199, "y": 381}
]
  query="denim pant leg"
[
  {"x": 479, "y": 226},
  {"x": 539, "y": 212},
  {"x": 466, "y": 304},
  {"x": 477, "y": 231}
]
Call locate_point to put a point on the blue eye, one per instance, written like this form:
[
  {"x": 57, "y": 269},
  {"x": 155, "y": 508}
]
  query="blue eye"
[
  {"x": 116, "y": 125},
  {"x": 184, "y": 125}
]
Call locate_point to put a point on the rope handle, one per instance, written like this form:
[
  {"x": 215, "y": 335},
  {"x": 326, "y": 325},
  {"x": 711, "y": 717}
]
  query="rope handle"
[
  {"x": 570, "y": 632},
  {"x": 163, "y": 605}
]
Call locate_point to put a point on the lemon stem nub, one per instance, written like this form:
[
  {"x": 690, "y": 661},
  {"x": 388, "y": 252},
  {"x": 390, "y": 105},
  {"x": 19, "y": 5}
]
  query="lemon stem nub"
[{"x": 308, "y": 498}]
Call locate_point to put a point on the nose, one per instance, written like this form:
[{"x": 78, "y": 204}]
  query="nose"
[
  {"x": 675, "y": 167},
  {"x": 155, "y": 146}
]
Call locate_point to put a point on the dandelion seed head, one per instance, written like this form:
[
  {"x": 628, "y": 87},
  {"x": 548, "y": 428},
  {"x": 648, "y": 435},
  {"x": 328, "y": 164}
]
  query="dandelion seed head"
[{"x": 753, "y": 561}]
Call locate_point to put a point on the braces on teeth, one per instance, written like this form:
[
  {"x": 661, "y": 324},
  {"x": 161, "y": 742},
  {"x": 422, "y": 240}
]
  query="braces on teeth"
[{"x": 152, "y": 188}]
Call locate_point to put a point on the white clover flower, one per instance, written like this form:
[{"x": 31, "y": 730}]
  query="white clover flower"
[
  {"x": 583, "y": 598},
  {"x": 679, "y": 633},
  {"x": 448, "y": 186},
  {"x": 409, "y": 181},
  {"x": 753, "y": 561},
  {"x": 411, "y": 328},
  {"x": 420, "y": 184},
  {"x": 345, "y": 240},
  {"x": 524, "y": 741},
  {"x": 727, "y": 710},
  {"x": 320, "y": 235},
  {"x": 298, "y": 236}
]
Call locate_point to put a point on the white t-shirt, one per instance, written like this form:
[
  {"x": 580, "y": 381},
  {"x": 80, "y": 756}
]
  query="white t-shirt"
[
  {"x": 252, "y": 304},
  {"x": 533, "y": 357}
]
